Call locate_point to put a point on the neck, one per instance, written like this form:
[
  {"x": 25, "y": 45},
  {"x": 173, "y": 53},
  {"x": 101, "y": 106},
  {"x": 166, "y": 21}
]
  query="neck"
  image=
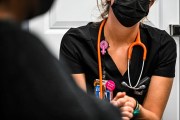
[{"x": 116, "y": 34}]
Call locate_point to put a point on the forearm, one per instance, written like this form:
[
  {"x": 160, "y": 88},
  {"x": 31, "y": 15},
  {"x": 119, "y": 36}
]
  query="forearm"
[
  {"x": 147, "y": 115},
  {"x": 80, "y": 81},
  {"x": 155, "y": 102}
]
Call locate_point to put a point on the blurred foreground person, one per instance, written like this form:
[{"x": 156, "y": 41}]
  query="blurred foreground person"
[{"x": 33, "y": 84}]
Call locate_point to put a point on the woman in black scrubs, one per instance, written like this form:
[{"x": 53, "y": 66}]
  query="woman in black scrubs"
[{"x": 79, "y": 49}]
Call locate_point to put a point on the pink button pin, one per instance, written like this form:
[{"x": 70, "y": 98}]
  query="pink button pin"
[
  {"x": 103, "y": 46},
  {"x": 110, "y": 85}
]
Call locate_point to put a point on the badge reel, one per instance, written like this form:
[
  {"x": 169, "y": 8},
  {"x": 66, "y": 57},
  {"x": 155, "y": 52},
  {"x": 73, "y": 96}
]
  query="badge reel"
[{"x": 108, "y": 87}]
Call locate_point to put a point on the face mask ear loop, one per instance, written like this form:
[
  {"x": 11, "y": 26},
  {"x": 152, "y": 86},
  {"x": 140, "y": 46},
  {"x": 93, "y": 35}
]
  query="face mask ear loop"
[{"x": 99, "y": 58}]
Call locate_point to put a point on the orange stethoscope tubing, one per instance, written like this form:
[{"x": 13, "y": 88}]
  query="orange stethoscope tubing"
[
  {"x": 99, "y": 57},
  {"x": 136, "y": 43}
]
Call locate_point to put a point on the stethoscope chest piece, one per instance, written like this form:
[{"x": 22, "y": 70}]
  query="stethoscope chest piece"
[{"x": 142, "y": 84}]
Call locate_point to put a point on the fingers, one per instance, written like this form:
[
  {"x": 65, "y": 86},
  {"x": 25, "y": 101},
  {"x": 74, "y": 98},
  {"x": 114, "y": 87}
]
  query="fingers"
[
  {"x": 128, "y": 108},
  {"x": 119, "y": 95},
  {"x": 131, "y": 100},
  {"x": 126, "y": 115},
  {"x": 130, "y": 104},
  {"x": 125, "y": 118},
  {"x": 127, "y": 111},
  {"x": 126, "y": 105},
  {"x": 120, "y": 102},
  {"x": 119, "y": 99}
]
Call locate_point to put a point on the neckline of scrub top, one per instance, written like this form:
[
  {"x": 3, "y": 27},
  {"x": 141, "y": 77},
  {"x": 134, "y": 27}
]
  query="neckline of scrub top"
[
  {"x": 110, "y": 66},
  {"x": 108, "y": 62}
]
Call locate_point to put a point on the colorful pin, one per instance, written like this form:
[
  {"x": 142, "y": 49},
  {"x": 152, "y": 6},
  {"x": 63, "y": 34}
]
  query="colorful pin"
[
  {"x": 103, "y": 46},
  {"x": 110, "y": 85}
]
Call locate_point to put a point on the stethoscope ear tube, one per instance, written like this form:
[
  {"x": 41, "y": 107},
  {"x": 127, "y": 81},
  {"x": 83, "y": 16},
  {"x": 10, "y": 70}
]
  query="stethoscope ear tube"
[
  {"x": 137, "y": 43},
  {"x": 129, "y": 77}
]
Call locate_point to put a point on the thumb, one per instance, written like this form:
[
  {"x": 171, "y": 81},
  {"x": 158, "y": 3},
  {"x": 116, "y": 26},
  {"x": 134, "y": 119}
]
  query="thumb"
[{"x": 119, "y": 95}]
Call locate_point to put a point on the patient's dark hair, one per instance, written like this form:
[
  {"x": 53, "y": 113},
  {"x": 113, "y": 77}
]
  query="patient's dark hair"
[{"x": 4, "y": 1}]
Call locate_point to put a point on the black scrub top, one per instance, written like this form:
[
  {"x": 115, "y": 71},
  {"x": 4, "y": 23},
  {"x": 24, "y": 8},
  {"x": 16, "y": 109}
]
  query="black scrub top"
[{"x": 79, "y": 50}]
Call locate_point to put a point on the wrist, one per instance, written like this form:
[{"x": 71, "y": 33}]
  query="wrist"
[{"x": 136, "y": 111}]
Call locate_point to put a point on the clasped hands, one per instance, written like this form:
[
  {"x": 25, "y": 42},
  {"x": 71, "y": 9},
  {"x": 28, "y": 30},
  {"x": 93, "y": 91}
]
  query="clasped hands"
[{"x": 125, "y": 103}]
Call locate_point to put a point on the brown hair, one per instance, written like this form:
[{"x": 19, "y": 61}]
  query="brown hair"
[{"x": 103, "y": 7}]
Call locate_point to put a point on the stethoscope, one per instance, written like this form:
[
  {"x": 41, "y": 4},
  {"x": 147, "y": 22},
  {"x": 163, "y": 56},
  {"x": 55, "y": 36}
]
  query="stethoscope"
[{"x": 136, "y": 43}]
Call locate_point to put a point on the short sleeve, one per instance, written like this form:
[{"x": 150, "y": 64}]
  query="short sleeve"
[
  {"x": 69, "y": 55},
  {"x": 166, "y": 57}
]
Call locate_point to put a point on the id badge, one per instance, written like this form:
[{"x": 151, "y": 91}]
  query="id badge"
[{"x": 107, "y": 89}]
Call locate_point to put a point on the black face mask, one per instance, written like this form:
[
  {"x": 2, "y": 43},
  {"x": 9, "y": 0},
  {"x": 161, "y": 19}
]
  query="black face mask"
[{"x": 130, "y": 12}]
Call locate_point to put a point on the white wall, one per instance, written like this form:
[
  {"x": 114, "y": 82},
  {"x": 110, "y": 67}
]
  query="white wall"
[
  {"x": 52, "y": 26},
  {"x": 170, "y": 15}
]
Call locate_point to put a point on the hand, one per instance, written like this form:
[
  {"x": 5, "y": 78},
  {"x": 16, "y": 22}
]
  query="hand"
[
  {"x": 128, "y": 108},
  {"x": 127, "y": 111},
  {"x": 119, "y": 100},
  {"x": 125, "y": 103}
]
